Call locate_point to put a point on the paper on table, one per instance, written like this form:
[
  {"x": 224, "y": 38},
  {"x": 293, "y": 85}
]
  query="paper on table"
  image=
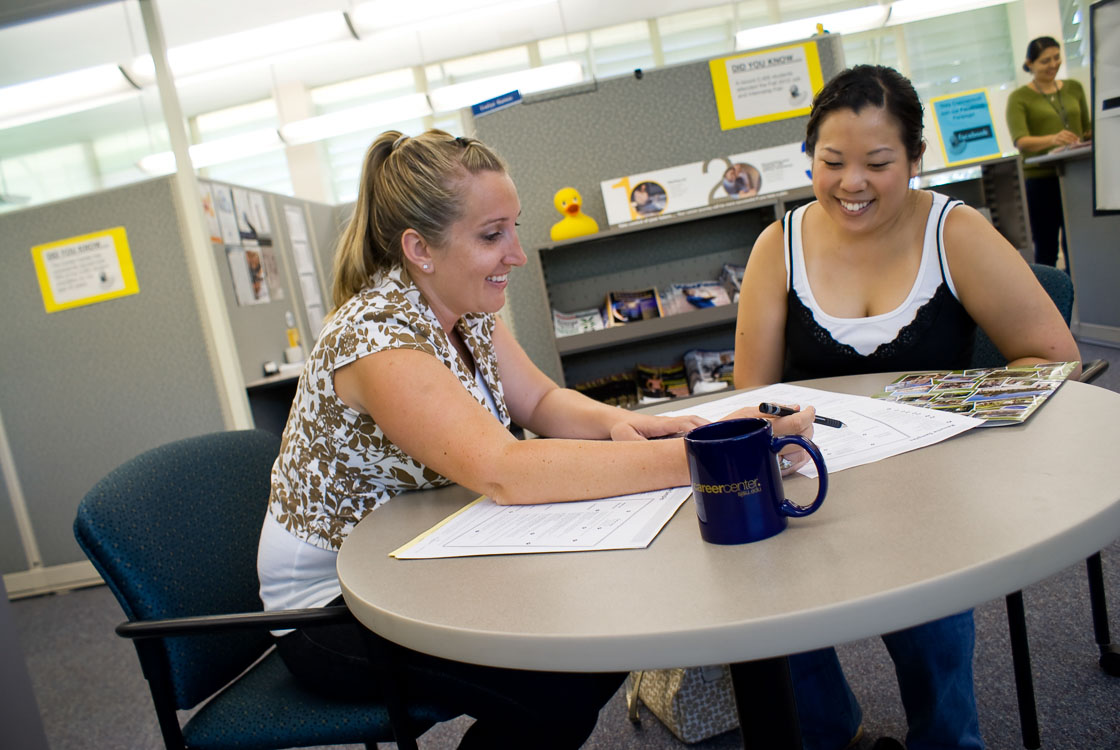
[
  {"x": 486, "y": 528},
  {"x": 873, "y": 429}
]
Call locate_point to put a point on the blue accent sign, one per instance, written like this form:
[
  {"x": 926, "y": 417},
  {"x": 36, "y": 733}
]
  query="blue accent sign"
[
  {"x": 965, "y": 124},
  {"x": 498, "y": 102}
]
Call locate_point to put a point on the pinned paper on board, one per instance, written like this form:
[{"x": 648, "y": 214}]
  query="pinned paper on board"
[
  {"x": 82, "y": 270},
  {"x": 766, "y": 85},
  {"x": 964, "y": 123}
]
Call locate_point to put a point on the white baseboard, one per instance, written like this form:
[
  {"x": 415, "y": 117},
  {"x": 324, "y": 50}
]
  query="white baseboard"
[
  {"x": 1096, "y": 334},
  {"x": 51, "y": 579}
]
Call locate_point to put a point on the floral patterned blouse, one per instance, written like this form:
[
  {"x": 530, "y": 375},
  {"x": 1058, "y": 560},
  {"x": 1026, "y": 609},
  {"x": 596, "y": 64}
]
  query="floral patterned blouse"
[{"x": 335, "y": 463}]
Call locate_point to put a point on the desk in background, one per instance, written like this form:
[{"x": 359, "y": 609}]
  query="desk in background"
[{"x": 1094, "y": 250}]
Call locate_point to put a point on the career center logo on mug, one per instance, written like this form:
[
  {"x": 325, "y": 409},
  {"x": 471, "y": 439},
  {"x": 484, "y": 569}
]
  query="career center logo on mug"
[{"x": 741, "y": 488}]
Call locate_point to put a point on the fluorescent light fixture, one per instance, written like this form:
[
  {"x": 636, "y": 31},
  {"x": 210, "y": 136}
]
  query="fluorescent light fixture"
[
  {"x": 218, "y": 151},
  {"x": 63, "y": 94},
  {"x": 908, "y": 11},
  {"x": 385, "y": 15},
  {"x": 460, "y": 95},
  {"x": 845, "y": 22},
  {"x": 356, "y": 118},
  {"x": 257, "y": 44}
]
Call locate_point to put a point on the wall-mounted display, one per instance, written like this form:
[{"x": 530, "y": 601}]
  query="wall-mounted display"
[
  {"x": 964, "y": 123},
  {"x": 705, "y": 183},
  {"x": 85, "y": 269},
  {"x": 766, "y": 85}
]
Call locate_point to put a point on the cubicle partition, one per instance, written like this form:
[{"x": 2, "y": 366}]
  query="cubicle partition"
[
  {"x": 84, "y": 388},
  {"x": 607, "y": 129}
]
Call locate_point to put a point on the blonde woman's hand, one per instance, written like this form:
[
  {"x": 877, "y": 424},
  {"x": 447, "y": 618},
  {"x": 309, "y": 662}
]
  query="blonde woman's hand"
[{"x": 636, "y": 426}]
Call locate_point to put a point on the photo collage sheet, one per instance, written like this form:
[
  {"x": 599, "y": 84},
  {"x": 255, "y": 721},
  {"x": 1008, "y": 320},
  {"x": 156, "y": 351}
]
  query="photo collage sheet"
[{"x": 1000, "y": 396}]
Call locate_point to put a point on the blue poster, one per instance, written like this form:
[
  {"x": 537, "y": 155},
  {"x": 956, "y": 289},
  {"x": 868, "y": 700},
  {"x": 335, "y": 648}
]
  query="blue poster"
[{"x": 964, "y": 122}]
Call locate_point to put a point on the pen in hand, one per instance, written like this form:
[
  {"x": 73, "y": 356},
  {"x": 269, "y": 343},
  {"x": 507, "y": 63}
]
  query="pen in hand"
[{"x": 784, "y": 411}]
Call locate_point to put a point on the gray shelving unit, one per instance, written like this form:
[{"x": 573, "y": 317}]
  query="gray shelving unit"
[{"x": 578, "y": 274}]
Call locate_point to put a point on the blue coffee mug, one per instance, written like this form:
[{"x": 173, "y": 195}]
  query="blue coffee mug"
[{"x": 736, "y": 484}]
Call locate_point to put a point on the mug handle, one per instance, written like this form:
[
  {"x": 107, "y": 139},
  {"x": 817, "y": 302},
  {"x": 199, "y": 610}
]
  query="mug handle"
[{"x": 788, "y": 508}]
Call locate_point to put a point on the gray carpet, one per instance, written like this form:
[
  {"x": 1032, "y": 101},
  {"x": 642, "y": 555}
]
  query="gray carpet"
[{"x": 91, "y": 693}]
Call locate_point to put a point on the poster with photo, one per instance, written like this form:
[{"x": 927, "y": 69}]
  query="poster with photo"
[
  {"x": 692, "y": 186},
  {"x": 227, "y": 214},
  {"x": 210, "y": 212},
  {"x": 246, "y": 269},
  {"x": 243, "y": 211},
  {"x": 766, "y": 85},
  {"x": 259, "y": 218}
]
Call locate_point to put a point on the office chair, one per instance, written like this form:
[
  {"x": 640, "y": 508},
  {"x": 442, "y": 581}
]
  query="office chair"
[
  {"x": 174, "y": 534},
  {"x": 1059, "y": 286}
]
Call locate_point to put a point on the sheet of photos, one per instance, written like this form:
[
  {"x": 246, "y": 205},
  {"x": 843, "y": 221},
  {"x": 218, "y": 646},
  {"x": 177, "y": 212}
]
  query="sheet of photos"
[{"x": 1001, "y": 396}]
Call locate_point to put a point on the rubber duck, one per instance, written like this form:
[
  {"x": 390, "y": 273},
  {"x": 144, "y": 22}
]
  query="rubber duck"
[{"x": 575, "y": 223}]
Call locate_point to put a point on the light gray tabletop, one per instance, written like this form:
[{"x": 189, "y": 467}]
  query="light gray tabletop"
[{"x": 896, "y": 543}]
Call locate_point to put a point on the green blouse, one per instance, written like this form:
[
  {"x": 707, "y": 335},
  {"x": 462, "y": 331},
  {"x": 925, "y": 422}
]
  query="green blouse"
[{"x": 1032, "y": 113}]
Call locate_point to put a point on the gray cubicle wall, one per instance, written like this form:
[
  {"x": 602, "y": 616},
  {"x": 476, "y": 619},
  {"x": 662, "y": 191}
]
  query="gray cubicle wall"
[
  {"x": 84, "y": 389},
  {"x": 612, "y": 128}
]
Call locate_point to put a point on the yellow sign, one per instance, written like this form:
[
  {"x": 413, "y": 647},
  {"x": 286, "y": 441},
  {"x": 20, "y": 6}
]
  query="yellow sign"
[
  {"x": 86, "y": 269},
  {"x": 766, "y": 85}
]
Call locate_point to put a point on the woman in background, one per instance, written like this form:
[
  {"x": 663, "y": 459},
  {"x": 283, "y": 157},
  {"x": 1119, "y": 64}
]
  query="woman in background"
[
  {"x": 875, "y": 276},
  {"x": 413, "y": 384},
  {"x": 1044, "y": 115}
]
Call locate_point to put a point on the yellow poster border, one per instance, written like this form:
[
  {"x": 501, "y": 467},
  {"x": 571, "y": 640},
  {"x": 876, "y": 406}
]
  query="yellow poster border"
[
  {"x": 941, "y": 139},
  {"x": 124, "y": 258},
  {"x": 722, "y": 86}
]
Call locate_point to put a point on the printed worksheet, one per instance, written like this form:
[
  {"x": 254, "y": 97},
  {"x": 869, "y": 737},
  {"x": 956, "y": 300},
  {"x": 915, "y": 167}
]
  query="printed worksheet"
[
  {"x": 873, "y": 429},
  {"x": 486, "y": 528}
]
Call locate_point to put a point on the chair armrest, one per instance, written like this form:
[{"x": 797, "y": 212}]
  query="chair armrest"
[
  {"x": 275, "y": 620},
  {"x": 1091, "y": 369}
]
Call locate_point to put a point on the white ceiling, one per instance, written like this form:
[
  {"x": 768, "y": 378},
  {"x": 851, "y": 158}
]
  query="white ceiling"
[{"x": 114, "y": 33}]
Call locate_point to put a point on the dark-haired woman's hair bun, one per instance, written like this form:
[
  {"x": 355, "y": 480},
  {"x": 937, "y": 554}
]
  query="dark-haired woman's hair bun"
[{"x": 1026, "y": 67}]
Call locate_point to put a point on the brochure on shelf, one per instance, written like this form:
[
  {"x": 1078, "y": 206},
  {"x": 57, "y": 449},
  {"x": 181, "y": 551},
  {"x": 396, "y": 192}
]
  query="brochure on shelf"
[
  {"x": 582, "y": 321},
  {"x": 709, "y": 370},
  {"x": 627, "y": 307},
  {"x": 698, "y": 295},
  {"x": 1000, "y": 395},
  {"x": 659, "y": 383}
]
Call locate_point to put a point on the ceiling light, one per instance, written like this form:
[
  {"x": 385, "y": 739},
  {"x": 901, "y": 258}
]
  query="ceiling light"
[
  {"x": 460, "y": 95},
  {"x": 218, "y": 151},
  {"x": 908, "y": 11},
  {"x": 257, "y": 44},
  {"x": 63, "y": 94},
  {"x": 844, "y": 22},
  {"x": 355, "y": 119}
]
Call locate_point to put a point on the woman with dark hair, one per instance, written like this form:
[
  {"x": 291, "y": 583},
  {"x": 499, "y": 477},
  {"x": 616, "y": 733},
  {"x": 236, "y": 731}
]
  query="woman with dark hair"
[
  {"x": 1044, "y": 115},
  {"x": 875, "y": 276}
]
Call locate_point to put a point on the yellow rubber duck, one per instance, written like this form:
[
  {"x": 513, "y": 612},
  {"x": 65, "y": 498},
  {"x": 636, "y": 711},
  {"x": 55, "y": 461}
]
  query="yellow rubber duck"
[{"x": 575, "y": 223}]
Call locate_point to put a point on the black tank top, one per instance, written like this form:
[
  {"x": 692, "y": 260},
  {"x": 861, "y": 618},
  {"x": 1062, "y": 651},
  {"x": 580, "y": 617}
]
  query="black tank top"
[{"x": 939, "y": 338}]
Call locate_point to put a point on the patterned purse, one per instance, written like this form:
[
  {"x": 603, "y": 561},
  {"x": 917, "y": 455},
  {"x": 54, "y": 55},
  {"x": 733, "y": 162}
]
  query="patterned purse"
[{"x": 695, "y": 703}]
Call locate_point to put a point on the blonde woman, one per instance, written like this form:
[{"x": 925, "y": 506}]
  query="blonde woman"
[{"x": 413, "y": 384}]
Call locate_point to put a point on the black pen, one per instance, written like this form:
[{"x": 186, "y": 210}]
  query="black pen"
[{"x": 784, "y": 411}]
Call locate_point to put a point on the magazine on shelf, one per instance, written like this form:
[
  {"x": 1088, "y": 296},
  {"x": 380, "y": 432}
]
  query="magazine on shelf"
[
  {"x": 732, "y": 279},
  {"x": 999, "y": 395},
  {"x": 661, "y": 383},
  {"x": 682, "y": 298},
  {"x": 709, "y": 371},
  {"x": 582, "y": 321},
  {"x": 628, "y": 307}
]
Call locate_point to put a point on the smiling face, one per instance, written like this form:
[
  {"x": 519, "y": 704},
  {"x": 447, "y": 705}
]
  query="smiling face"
[
  {"x": 860, "y": 168},
  {"x": 1045, "y": 67},
  {"x": 470, "y": 270}
]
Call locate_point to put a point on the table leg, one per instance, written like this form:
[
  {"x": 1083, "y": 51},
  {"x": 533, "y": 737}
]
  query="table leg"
[{"x": 767, "y": 709}]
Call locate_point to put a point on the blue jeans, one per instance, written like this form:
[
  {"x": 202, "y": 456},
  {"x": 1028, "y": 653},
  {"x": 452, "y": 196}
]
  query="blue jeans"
[{"x": 933, "y": 663}]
